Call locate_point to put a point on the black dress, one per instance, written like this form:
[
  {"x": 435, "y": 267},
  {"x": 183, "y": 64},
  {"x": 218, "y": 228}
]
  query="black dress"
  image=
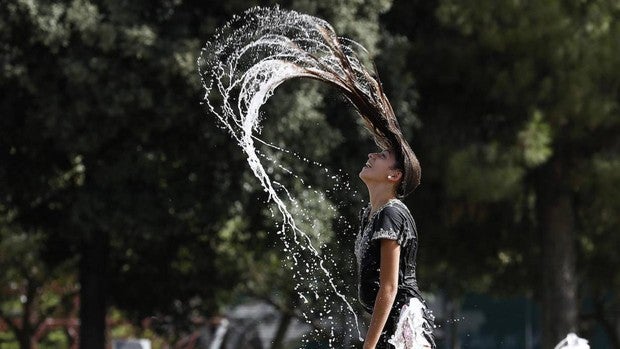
[{"x": 392, "y": 221}]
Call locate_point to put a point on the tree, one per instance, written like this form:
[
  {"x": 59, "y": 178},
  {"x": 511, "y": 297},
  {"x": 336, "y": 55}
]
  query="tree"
[{"x": 97, "y": 108}]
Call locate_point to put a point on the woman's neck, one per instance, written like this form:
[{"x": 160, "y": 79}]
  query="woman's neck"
[{"x": 379, "y": 196}]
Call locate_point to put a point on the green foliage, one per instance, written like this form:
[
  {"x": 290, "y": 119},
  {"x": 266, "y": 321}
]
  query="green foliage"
[
  {"x": 32, "y": 290},
  {"x": 483, "y": 174},
  {"x": 599, "y": 223},
  {"x": 101, "y": 115},
  {"x": 535, "y": 141}
]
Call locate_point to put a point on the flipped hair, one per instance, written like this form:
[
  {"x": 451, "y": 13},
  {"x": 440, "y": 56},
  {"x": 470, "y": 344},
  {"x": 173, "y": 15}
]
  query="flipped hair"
[{"x": 365, "y": 92}]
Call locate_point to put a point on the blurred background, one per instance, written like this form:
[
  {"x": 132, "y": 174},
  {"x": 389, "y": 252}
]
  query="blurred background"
[{"x": 126, "y": 212}]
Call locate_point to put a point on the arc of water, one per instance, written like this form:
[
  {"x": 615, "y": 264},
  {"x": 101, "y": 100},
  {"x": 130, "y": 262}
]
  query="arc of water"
[
  {"x": 259, "y": 171},
  {"x": 246, "y": 141}
]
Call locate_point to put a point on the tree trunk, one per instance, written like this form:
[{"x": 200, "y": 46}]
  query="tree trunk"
[
  {"x": 24, "y": 336},
  {"x": 24, "y": 341},
  {"x": 559, "y": 286},
  {"x": 93, "y": 280}
]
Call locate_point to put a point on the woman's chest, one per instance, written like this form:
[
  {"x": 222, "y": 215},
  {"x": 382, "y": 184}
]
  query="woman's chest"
[{"x": 363, "y": 242}]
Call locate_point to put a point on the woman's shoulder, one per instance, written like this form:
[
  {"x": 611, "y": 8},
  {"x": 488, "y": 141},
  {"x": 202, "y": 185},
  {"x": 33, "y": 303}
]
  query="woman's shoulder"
[
  {"x": 396, "y": 207},
  {"x": 397, "y": 211}
]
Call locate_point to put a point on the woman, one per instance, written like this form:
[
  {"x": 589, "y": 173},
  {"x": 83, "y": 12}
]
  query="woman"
[{"x": 386, "y": 250}]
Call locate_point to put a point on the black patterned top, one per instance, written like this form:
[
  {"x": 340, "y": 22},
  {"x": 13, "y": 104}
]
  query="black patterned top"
[{"x": 392, "y": 221}]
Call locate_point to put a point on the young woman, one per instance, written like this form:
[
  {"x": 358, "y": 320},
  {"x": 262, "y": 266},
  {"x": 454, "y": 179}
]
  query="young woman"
[{"x": 386, "y": 249}]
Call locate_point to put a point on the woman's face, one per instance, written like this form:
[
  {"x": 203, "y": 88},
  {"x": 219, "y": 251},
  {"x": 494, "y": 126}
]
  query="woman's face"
[{"x": 379, "y": 166}]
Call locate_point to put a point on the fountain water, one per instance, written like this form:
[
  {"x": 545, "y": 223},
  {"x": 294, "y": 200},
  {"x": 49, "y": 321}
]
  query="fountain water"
[
  {"x": 572, "y": 341},
  {"x": 220, "y": 332}
]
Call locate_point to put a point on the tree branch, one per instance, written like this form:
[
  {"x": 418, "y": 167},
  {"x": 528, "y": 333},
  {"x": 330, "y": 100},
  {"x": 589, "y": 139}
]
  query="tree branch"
[{"x": 49, "y": 311}]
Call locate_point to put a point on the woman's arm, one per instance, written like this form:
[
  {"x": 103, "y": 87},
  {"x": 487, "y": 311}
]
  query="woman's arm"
[{"x": 388, "y": 286}]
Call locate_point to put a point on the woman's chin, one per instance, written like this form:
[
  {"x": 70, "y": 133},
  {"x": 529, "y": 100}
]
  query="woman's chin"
[{"x": 363, "y": 174}]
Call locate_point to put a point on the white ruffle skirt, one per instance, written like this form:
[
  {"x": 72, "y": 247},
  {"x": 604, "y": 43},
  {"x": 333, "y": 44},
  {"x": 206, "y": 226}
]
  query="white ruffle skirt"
[{"x": 412, "y": 329}]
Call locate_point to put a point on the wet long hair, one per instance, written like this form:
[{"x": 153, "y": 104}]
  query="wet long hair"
[{"x": 366, "y": 93}]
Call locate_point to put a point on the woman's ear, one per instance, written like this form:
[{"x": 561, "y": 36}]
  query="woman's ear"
[{"x": 395, "y": 176}]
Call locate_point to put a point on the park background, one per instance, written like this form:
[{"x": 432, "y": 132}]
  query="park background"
[{"x": 124, "y": 208}]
